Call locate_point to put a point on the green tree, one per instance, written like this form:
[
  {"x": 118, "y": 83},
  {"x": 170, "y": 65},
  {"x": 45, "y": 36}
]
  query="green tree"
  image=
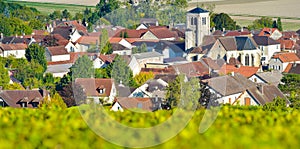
[
  {"x": 121, "y": 72},
  {"x": 103, "y": 39},
  {"x": 143, "y": 77},
  {"x": 181, "y": 3},
  {"x": 277, "y": 104},
  {"x": 36, "y": 24},
  {"x": 70, "y": 92},
  {"x": 55, "y": 15},
  {"x": 223, "y": 20},
  {"x": 26, "y": 72},
  {"x": 101, "y": 73},
  {"x": 78, "y": 16},
  {"x": 279, "y": 24},
  {"x": 55, "y": 102},
  {"x": 261, "y": 23},
  {"x": 4, "y": 77},
  {"x": 82, "y": 68},
  {"x": 66, "y": 14},
  {"x": 32, "y": 83},
  {"x": 174, "y": 90},
  {"x": 190, "y": 94},
  {"x": 36, "y": 53},
  {"x": 14, "y": 86},
  {"x": 104, "y": 7}
]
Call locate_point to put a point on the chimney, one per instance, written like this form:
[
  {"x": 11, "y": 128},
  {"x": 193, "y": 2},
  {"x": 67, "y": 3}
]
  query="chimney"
[
  {"x": 232, "y": 73},
  {"x": 224, "y": 29},
  {"x": 242, "y": 29}
]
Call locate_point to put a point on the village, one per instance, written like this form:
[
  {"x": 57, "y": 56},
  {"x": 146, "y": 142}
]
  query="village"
[{"x": 240, "y": 67}]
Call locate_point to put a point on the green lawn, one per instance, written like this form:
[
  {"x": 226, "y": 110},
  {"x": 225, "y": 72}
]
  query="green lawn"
[{"x": 47, "y": 8}]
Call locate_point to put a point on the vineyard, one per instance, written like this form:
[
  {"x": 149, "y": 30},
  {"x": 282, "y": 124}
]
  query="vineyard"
[{"x": 235, "y": 127}]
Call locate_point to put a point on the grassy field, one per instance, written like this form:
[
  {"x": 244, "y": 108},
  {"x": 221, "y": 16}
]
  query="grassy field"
[{"x": 47, "y": 8}]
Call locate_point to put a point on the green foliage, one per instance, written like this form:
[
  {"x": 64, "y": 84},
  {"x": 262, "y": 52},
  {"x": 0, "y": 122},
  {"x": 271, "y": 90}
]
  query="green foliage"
[
  {"x": 143, "y": 77},
  {"x": 66, "y": 15},
  {"x": 13, "y": 26},
  {"x": 121, "y": 72},
  {"x": 54, "y": 102},
  {"x": 14, "y": 86},
  {"x": 291, "y": 82},
  {"x": 143, "y": 48},
  {"x": 36, "y": 53},
  {"x": 104, "y": 7},
  {"x": 237, "y": 126},
  {"x": 223, "y": 20},
  {"x": 279, "y": 24},
  {"x": 4, "y": 77},
  {"x": 55, "y": 15},
  {"x": 261, "y": 23},
  {"x": 190, "y": 94},
  {"x": 181, "y": 3},
  {"x": 107, "y": 49},
  {"x": 36, "y": 24},
  {"x": 73, "y": 94},
  {"x": 174, "y": 90},
  {"x": 277, "y": 104},
  {"x": 83, "y": 68},
  {"x": 30, "y": 74},
  {"x": 101, "y": 73}
]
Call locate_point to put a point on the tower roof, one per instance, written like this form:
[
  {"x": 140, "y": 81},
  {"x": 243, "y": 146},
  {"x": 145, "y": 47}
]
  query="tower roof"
[{"x": 198, "y": 10}]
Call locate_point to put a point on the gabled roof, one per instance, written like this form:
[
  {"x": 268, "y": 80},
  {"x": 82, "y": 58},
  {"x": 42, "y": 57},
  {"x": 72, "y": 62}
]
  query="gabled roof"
[
  {"x": 64, "y": 31},
  {"x": 107, "y": 58},
  {"x": 131, "y": 33},
  {"x": 156, "y": 71},
  {"x": 146, "y": 104},
  {"x": 245, "y": 43},
  {"x": 91, "y": 85},
  {"x": 273, "y": 77},
  {"x": 228, "y": 43},
  {"x": 87, "y": 40},
  {"x": 9, "y": 47},
  {"x": 267, "y": 31},
  {"x": 228, "y": 85},
  {"x": 57, "y": 50},
  {"x": 293, "y": 68},
  {"x": 16, "y": 40},
  {"x": 198, "y": 10},
  {"x": 265, "y": 40},
  {"x": 78, "y": 26},
  {"x": 192, "y": 69},
  {"x": 286, "y": 57},
  {"x": 163, "y": 32},
  {"x": 286, "y": 44},
  {"x": 118, "y": 47},
  {"x": 166, "y": 77},
  {"x": 13, "y": 97},
  {"x": 146, "y": 55},
  {"x": 246, "y": 71},
  {"x": 211, "y": 63},
  {"x": 265, "y": 93}
]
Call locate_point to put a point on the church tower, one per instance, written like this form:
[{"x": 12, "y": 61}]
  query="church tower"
[{"x": 197, "y": 26}]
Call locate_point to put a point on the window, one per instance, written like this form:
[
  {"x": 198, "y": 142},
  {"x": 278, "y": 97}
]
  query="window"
[
  {"x": 101, "y": 91},
  {"x": 252, "y": 59},
  {"x": 247, "y": 60},
  {"x": 192, "y": 21},
  {"x": 195, "y": 21},
  {"x": 229, "y": 100},
  {"x": 278, "y": 67},
  {"x": 140, "y": 105},
  {"x": 24, "y": 104},
  {"x": 204, "y": 21},
  {"x": 263, "y": 58}
]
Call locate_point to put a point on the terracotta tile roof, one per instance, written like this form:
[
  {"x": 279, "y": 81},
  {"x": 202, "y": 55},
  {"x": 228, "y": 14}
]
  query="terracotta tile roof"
[
  {"x": 289, "y": 35},
  {"x": 162, "y": 33},
  {"x": 288, "y": 68},
  {"x": 115, "y": 39},
  {"x": 197, "y": 50},
  {"x": 131, "y": 33},
  {"x": 234, "y": 61},
  {"x": 286, "y": 44},
  {"x": 237, "y": 33},
  {"x": 287, "y": 57},
  {"x": 78, "y": 26},
  {"x": 40, "y": 32},
  {"x": 118, "y": 47},
  {"x": 192, "y": 69},
  {"x": 17, "y": 46},
  {"x": 64, "y": 31},
  {"x": 246, "y": 71},
  {"x": 92, "y": 86},
  {"x": 157, "y": 71},
  {"x": 293, "y": 68},
  {"x": 108, "y": 58},
  {"x": 229, "y": 43},
  {"x": 211, "y": 63},
  {"x": 133, "y": 103},
  {"x": 13, "y": 97},
  {"x": 57, "y": 50},
  {"x": 267, "y": 31},
  {"x": 87, "y": 40}
]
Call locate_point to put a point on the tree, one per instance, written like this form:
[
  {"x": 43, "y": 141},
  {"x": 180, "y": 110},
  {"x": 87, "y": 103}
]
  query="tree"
[
  {"x": 55, "y": 15},
  {"x": 30, "y": 74},
  {"x": 174, "y": 91},
  {"x": 143, "y": 48},
  {"x": 83, "y": 68},
  {"x": 279, "y": 25},
  {"x": 121, "y": 72},
  {"x": 181, "y": 3},
  {"x": 207, "y": 98},
  {"x": 143, "y": 77},
  {"x": 277, "y": 104},
  {"x": 4, "y": 77},
  {"x": 190, "y": 94},
  {"x": 101, "y": 73},
  {"x": 66, "y": 14},
  {"x": 104, "y": 7},
  {"x": 36, "y": 53},
  {"x": 103, "y": 40},
  {"x": 73, "y": 95},
  {"x": 274, "y": 25},
  {"x": 107, "y": 49},
  {"x": 78, "y": 16},
  {"x": 261, "y": 23},
  {"x": 56, "y": 102},
  {"x": 32, "y": 83},
  {"x": 36, "y": 24},
  {"x": 223, "y": 20},
  {"x": 14, "y": 86}
]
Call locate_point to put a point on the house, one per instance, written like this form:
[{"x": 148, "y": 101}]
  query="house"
[
  {"x": 120, "y": 49},
  {"x": 273, "y": 77},
  {"x": 121, "y": 41},
  {"x": 59, "y": 69},
  {"x": 246, "y": 71},
  {"x": 102, "y": 61},
  {"x": 87, "y": 42},
  {"x": 152, "y": 88},
  {"x": 273, "y": 33},
  {"x": 67, "y": 32},
  {"x": 192, "y": 69},
  {"x": 98, "y": 90},
  {"x": 139, "y": 60},
  {"x": 17, "y": 50},
  {"x": 268, "y": 47},
  {"x": 196, "y": 53},
  {"x": 149, "y": 21},
  {"x": 170, "y": 49},
  {"x": 57, "y": 53},
  {"x": 293, "y": 68},
  {"x": 150, "y": 44},
  {"x": 25, "y": 39},
  {"x": 280, "y": 61},
  {"x": 238, "y": 90},
  {"x": 22, "y": 98},
  {"x": 242, "y": 48},
  {"x": 143, "y": 104}
]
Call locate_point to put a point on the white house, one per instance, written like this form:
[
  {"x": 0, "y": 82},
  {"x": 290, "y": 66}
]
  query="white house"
[
  {"x": 98, "y": 90},
  {"x": 17, "y": 50},
  {"x": 102, "y": 61},
  {"x": 280, "y": 61},
  {"x": 273, "y": 77},
  {"x": 142, "y": 59},
  {"x": 87, "y": 42},
  {"x": 268, "y": 47},
  {"x": 57, "y": 53}
]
